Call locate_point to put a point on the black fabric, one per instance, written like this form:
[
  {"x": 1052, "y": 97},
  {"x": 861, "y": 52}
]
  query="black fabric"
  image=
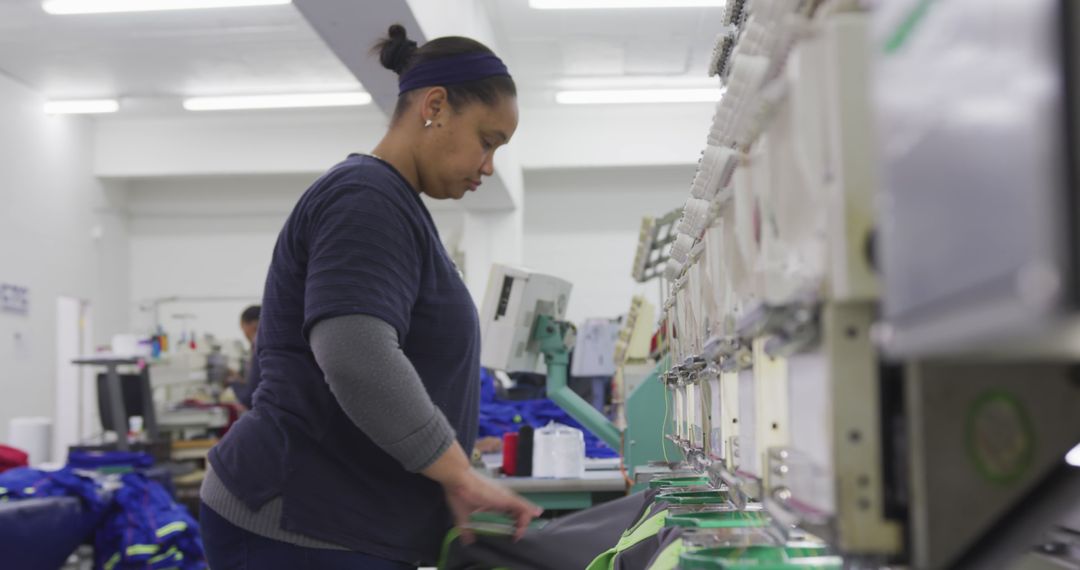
[
  {"x": 641, "y": 555},
  {"x": 229, "y": 547},
  {"x": 525, "y": 452},
  {"x": 570, "y": 542}
]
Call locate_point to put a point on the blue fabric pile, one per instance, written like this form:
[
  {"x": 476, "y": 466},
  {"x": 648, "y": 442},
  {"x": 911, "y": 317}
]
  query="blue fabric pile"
[
  {"x": 501, "y": 416},
  {"x": 137, "y": 525},
  {"x": 147, "y": 530},
  {"x": 27, "y": 483}
]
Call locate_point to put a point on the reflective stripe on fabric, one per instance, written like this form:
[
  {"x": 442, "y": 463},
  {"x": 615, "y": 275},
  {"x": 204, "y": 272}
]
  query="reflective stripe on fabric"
[
  {"x": 173, "y": 552},
  {"x": 170, "y": 528},
  {"x": 142, "y": 549}
]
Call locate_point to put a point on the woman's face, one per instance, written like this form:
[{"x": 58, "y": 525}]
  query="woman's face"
[{"x": 460, "y": 146}]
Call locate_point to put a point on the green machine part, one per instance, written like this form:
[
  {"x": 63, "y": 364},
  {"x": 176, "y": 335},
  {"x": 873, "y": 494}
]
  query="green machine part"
[
  {"x": 550, "y": 334},
  {"x": 648, "y": 424},
  {"x": 646, "y": 407}
]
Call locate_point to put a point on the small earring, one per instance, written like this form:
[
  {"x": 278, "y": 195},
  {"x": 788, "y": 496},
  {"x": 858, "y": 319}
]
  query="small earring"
[{"x": 427, "y": 123}]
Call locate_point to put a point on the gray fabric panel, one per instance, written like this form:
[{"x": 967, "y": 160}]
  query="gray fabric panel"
[
  {"x": 264, "y": 522},
  {"x": 379, "y": 389}
]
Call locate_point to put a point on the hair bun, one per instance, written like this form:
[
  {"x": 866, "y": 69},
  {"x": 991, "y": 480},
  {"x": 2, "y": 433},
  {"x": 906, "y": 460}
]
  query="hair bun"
[{"x": 396, "y": 50}]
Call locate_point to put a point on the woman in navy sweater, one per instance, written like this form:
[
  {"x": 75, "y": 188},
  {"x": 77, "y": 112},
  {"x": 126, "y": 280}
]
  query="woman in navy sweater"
[{"x": 355, "y": 453}]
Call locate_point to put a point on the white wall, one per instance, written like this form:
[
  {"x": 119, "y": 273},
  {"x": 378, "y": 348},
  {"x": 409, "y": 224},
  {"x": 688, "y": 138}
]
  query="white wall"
[
  {"x": 582, "y": 225},
  {"x": 251, "y": 142},
  {"x": 211, "y": 238},
  {"x": 631, "y": 136},
  {"x": 50, "y": 209},
  {"x": 489, "y": 238}
]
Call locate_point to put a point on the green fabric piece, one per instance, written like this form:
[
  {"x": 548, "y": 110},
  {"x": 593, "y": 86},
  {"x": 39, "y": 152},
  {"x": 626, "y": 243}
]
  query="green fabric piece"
[
  {"x": 451, "y": 536},
  {"x": 668, "y": 559},
  {"x": 643, "y": 530}
]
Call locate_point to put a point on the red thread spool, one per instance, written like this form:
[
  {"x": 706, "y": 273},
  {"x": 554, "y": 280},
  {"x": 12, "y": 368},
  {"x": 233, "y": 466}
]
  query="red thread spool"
[{"x": 510, "y": 453}]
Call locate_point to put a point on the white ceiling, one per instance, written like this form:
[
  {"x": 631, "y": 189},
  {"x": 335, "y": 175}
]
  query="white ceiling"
[
  {"x": 273, "y": 49},
  {"x": 551, "y": 49},
  {"x": 183, "y": 53}
]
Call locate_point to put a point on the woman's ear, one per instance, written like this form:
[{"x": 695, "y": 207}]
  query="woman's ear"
[{"x": 434, "y": 105}]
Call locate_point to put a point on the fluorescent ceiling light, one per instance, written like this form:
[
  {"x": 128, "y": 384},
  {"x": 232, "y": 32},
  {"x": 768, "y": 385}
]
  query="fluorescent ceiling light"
[
  {"x": 1073, "y": 457},
  {"x": 603, "y": 4},
  {"x": 66, "y": 7},
  {"x": 82, "y": 107},
  {"x": 277, "y": 101},
  {"x": 616, "y": 96},
  {"x": 620, "y": 82}
]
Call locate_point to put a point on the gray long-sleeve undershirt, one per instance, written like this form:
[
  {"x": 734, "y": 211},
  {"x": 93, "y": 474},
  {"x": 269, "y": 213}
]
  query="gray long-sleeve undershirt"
[{"x": 380, "y": 390}]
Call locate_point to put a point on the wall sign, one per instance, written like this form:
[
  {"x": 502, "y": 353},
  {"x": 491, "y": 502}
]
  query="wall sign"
[{"x": 14, "y": 299}]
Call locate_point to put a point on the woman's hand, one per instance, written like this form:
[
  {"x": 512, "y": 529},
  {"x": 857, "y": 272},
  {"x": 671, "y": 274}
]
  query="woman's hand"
[
  {"x": 468, "y": 492},
  {"x": 476, "y": 493}
]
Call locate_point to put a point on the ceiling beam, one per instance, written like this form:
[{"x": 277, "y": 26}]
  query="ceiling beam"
[{"x": 351, "y": 27}]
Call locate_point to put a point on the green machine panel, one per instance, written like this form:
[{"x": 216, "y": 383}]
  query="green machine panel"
[{"x": 647, "y": 424}]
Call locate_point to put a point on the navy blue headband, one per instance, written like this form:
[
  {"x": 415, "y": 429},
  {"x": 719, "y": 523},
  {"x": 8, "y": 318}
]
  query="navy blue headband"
[{"x": 451, "y": 70}]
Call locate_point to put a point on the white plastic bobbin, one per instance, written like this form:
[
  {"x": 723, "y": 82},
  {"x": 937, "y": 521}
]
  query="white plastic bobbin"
[
  {"x": 672, "y": 271},
  {"x": 697, "y": 188},
  {"x": 683, "y": 227},
  {"x": 722, "y": 117},
  {"x": 698, "y": 215},
  {"x": 697, "y": 251},
  {"x": 719, "y": 122},
  {"x": 710, "y": 174},
  {"x": 681, "y": 248},
  {"x": 754, "y": 37}
]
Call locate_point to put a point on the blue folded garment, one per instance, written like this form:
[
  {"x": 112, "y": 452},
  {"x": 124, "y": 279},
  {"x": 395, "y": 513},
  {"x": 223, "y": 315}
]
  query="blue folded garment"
[
  {"x": 501, "y": 416},
  {"x": 137, "y": 526}
]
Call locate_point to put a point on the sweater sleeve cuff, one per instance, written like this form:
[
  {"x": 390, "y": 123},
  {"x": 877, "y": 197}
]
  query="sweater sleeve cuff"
[{"x": 421, "y": 448}]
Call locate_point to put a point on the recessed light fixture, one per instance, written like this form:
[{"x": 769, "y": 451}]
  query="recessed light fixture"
[
  {"x": 67, "y": 7},
  {"x": 617, "y": 96},
  {"x": 82, "y": 107},
  {"x": 605, "y": 4},
  {"x": 277, "y": 101}
]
